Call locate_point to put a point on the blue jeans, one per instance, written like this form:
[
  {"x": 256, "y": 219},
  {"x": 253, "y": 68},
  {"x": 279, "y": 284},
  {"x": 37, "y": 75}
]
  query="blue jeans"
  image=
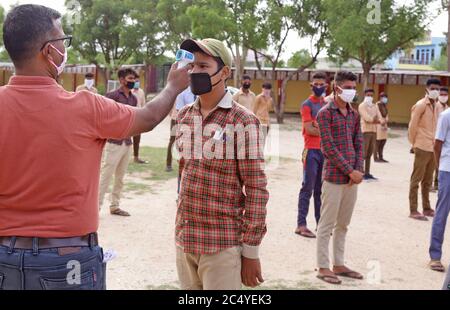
[
  {"x": 49, "y": 270},
  {"x": 440, "y": 218},
  {"x": 312, "y": 183}
]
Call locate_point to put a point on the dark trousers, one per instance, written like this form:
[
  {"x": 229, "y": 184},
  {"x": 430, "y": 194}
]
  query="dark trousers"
[
  {"x": 312, "y": 184},
  {"x": 171, "y": 142},
  {"x": 136, "y": 143},
  {"x": 49, "y": 269},
  {"x": 379, "y": 150},
  {"x": 370, "y": 139}
]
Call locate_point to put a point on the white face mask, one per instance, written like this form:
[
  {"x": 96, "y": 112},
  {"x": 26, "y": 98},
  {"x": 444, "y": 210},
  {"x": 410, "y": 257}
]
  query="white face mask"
[
  {"x": 60, "y": 68},
  {"x": 384, "y": 100},
  {"x": 368, "y": 100},
  {"x": 433, "y": 94},
  {"x": 89, "y": 83},
  {"x": 267, "y": 92},
  {"x": 443, "y": 99},
  {"x": 347, "y": 95}
]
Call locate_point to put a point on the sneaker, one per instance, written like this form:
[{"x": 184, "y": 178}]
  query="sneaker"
[
  {"x": 366, "y": 177},
  {"x": 384, "y": 161}
]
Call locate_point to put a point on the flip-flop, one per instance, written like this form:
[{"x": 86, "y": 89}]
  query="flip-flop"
[
  {"x": 306, "y": 234},
  {"x": 419, "y": 218},
  {"x": 120, "y": 212},
  {"x": 329, "y": 279},
  {"x": 350, "y": 274},
  {"x": 437, "y": 266}
]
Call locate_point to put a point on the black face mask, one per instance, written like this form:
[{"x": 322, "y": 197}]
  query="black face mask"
[
  {"x": 130, "y": 85},
  {"x": 246, "y": 86},
  {"x": 201, "y": 83}
]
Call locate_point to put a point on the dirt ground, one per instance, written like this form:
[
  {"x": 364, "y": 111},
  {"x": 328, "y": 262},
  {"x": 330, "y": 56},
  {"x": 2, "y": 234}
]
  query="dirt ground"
[{"x": 390, "y": 249}]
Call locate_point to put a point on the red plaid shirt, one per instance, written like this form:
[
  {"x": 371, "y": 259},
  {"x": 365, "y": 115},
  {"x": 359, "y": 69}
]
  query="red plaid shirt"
[
  {"x": 222, "y": 202},
  {"x": 341, "y": 143}
]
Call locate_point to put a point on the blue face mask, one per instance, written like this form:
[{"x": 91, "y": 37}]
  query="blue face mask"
[
  {"x": 384, "y": 100},
  {"x": 137, "y": 85},
  {"x": 319, "y": 91}
]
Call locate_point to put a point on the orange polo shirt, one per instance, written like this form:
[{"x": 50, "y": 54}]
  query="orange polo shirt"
[{"x": 51, "y": 143}]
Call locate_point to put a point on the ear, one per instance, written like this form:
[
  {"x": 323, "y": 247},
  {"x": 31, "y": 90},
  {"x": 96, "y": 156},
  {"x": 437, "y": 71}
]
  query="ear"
[
  {"x": 46, "y": 53},
  {"x": 226, "y": 72}
]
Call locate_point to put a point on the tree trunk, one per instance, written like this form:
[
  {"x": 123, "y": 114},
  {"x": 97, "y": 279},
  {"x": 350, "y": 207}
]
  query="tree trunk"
[
  {"x": 366, "y": 75},
  {"x": 448, "y": 38},
  {"x": 276, "y": 102},
  {"x": 239, "y": 70}
]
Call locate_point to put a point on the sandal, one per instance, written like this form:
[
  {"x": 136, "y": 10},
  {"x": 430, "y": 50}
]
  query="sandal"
[
  {"x": 436, "y": 265},
  {"x": 418, "y": 217},
  {"x": 120, "y": 212},
  {"x": 305, "y": 232},
  {"x": 351, "y": 274},
  {"x": 429, "y": 213},
  {"x": 329, "y": 279}
]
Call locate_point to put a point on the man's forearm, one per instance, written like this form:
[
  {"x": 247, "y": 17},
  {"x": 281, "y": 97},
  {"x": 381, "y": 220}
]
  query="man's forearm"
[
  {"x": 154, "y": 112},
  {"x": 437, "y": 151},
  {"x": 158, "y": 109}
]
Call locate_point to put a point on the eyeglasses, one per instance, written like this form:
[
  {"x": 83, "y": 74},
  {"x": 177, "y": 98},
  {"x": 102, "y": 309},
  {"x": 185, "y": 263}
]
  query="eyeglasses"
[{"x": 67, "y": 41}]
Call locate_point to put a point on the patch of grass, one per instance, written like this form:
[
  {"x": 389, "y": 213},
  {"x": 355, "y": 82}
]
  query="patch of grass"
[
  {"x": 393, "y": 135},
  {"x": 155, "y": 170},
  {"x": 137, "y": 188}
]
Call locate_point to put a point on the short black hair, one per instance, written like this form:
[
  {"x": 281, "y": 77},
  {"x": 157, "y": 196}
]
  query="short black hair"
[
  {"x": 246, "y": 77},
  {"x": 89, "y": 75},
  {"x": 444, "y": 89},
  {"x": 383, "y": 94},
  {"x": 26, "y": 28},
  {"x": 267, "y": 85},
  {"x": 320, "y": 76},
  {"x": 369, "y": 90},
  {"x": 124, "y": 72},
  {"x": 342, "y": 76},
  {"x": 433, "y": 82},
  {"x": 137, "y": 76}
]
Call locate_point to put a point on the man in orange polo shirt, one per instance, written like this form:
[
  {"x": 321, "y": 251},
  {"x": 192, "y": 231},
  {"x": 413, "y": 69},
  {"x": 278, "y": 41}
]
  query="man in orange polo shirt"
[{"x": 49, "y": 179}]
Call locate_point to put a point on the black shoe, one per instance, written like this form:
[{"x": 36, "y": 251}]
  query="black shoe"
[{"x": 371, "y": 177}]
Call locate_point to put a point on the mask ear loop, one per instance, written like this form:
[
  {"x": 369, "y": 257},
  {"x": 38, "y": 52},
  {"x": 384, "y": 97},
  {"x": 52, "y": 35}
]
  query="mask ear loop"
[{"x": 57, "y": 50}]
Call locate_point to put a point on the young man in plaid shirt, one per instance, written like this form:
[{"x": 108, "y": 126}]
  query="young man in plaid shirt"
[
  {"x": 221, "y": 214},
  {"x": 341, "y": 144}
]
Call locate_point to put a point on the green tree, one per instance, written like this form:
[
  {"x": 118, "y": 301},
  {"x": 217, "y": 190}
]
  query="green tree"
[
  {"x": 440, "y": 64},
  {"x": 280, "y": 19},
  {"x": 300, "y": 58},
  {"x": 234, "y": 22},
  {"x": 174, "y": 22},
  {"x": 370, "y": 32},
  {"x": 106, "y": 34},
  {"x": 2, "y": 19}
]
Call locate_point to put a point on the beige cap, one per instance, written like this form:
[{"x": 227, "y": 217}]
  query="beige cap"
[{"x": 211, "y": 47}]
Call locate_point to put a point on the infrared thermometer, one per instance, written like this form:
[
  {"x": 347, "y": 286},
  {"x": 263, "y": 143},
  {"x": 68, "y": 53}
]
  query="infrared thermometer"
[{"x": 184, "y": 58}]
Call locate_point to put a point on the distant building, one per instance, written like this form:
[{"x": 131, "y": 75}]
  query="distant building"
[{"x": 420, "y": 57}]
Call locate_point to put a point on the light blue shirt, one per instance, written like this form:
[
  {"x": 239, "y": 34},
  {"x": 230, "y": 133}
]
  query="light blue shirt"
[
  {"x": 185, "y": 98},
  {"x": 443, "y": 134}
]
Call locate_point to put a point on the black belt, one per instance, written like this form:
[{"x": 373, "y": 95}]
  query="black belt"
[{"x": 49, "y": 243}]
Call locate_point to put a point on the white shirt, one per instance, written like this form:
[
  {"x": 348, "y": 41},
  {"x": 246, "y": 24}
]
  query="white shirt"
[
  {"x": 185, "y": 98},
  {"x": 443, "y": 134}
]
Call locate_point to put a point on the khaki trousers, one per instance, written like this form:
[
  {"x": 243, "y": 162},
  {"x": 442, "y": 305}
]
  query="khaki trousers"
[
  {"x": 116, "y": 160},
  {"x": 370, "y": 141},
  {"x": 424, "y": 166},
  {"x": 338, "y": 203},
  {"x": 221, "y": 271}
]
